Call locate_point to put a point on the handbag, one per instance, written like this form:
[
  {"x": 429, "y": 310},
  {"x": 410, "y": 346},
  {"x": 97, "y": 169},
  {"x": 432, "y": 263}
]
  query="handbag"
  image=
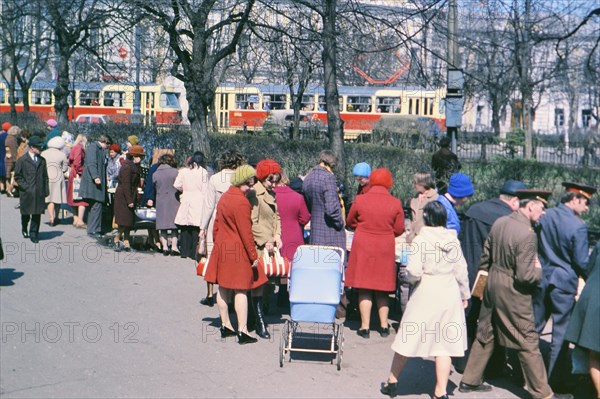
[
  {"x": 146, "y": 214},
  {"x": 201, "y": 248},
  {"x": 274, "y": 264},
  {"x": 76, "y": 187},
  {"x": 202, "y": 266}
]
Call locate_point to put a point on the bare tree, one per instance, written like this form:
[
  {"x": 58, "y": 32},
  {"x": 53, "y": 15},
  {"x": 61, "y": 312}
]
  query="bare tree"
[{"x": 202, "y": 35}]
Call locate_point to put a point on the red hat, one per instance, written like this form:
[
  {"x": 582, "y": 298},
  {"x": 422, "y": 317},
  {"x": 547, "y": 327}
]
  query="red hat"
[
  {"x": 115, "y": 148},
  {"x": 381, "y": 177},
  {"x": 267, "y": 167},
  {"x": 6, "y": 126}
]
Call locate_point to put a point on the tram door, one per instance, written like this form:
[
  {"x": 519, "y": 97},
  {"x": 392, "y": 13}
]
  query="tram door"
[{"x": 223, "y": 111}]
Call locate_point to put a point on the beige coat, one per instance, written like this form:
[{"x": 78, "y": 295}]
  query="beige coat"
[
  {"x": 217, "y": 185},
  {"x": 57, "y": 166},
  {"x": 416, "y": 206},
  {"x": 266, "y": 223},
  {"x": 193, "y": 184},
  {"x": 510, "y": 256}
]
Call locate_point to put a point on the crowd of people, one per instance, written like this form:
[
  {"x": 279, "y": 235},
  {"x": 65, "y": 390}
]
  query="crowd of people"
[{"x": 533, "y": 256}]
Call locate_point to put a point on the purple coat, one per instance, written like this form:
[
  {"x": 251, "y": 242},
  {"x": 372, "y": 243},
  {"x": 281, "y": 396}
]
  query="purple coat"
[
  {"x": 294, "y": 215},
  {"x": 327, "y": 222}
]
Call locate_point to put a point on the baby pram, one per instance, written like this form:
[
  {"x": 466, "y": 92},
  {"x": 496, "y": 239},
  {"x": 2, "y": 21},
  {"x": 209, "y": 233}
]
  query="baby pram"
[{"x": 315, "y": 286}]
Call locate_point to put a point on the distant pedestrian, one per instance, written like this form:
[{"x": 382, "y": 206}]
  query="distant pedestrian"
[
  {"x": 3, "y": 135},
  {"x": 58, "y": 165},
  {"x": 361, "y": 173},
  {"x": 11, "y": 145},
  {"x": 434, "y": 321},
  {"x": 76, "y": 161},
  {"x": 114, "y": 165},
  {"x": 167, "y": 203},
  {"x": 31, "y": 175},
  {"x": 444, "y": 163},
  {"x": 53, "y": 130},
  {"x": 93, "y": 183},
  {"x": 126, "y": 197}
]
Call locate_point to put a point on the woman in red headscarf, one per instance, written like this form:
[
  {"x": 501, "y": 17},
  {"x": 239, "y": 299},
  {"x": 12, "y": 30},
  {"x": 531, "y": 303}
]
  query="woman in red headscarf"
[{"x": 377, "y": 218}]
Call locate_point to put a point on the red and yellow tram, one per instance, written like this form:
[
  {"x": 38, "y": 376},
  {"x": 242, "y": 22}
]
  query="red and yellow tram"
[
  {"x": 248, "y": 107},
  {"x": 159, "y": 103}
]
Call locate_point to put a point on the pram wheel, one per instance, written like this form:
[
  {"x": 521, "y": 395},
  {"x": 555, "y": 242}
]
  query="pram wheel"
[{"x": 283, "y": 342}]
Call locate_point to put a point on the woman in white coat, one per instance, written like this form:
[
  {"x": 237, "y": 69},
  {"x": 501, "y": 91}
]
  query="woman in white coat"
[
  {"x": 433, "y": 324},
  {"x": 192, "y": 182},
  {"x": 57, "y": 165}
]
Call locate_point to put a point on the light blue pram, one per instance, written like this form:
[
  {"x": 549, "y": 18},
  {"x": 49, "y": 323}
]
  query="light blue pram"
[{"x": 315, "y": 286}]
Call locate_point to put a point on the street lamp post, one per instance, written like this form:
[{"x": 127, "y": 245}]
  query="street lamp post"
[{"x": 137, "y": 97}]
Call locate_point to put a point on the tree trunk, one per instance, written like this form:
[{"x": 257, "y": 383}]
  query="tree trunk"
[
  {"x": 334, "y": 122},
  {"x": 61, "y": 91},
  {"x": 25, "y": 90},
  {"x": 11, "y": 96},
  {"x": 199, "y": 108},
  {"x": 496, "y": 116}
]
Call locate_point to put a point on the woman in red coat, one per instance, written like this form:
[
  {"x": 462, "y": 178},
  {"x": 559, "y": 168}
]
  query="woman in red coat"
[
  {"x": 76, "y": 157},
  {"x": 377, "y": 218},
  {"x": 233, "y": 262}
]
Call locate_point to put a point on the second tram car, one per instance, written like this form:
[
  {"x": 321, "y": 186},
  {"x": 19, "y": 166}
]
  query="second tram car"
[
  {"x": 241, "y": 108},
  {"x": 159, "y": 103}
]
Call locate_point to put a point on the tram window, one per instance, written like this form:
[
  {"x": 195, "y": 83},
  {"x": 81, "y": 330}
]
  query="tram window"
[
  {"x": 323, "y": 103},
  {"x": 2, "y": 100},
  {"x": 359, "y": 104},
  {"x": 246, "y": 101},
  {"x": 113, "y": 98},
  {"x": 149, "y": 100},
  {"x": 417, "y": 103},
  {"x": 387, "y": 105},
  {"x": 425, "y": 106},
  {"x": 169, "y": 100},
  {"x": 410, "y": 106},
  {"x": 274, "y": 101},
  {"x": 89, "y": 98},
  {"x": 41, "y": 96},
  {"x": 430, "y": 106},
  {"x": 308, "y": 103}
]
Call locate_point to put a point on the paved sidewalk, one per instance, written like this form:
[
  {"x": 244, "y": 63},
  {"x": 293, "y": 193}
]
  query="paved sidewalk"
[{"x": 81, "y": 321}]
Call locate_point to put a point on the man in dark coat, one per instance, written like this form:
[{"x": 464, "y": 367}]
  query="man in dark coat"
[
  {"x": 324, "y": 203},
  {"x": 32, "y": 177},
  {"x": 93, "y": 183},
  {"x": 475, "y": 228},
  {"x": 564, "y": 255},
  {"x": 444, "y": 163},
  {"x": 510, "y": 257}
]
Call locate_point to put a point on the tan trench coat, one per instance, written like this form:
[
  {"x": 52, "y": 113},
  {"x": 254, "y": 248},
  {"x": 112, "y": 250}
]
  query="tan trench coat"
[
  {"x": 266, "y": 223},
  {"x": 510, "y": 256}
]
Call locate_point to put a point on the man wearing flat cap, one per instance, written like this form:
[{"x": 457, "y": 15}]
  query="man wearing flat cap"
[
  {"x": 510, "y": 258},
  {"x": 564, "y": 255},
  {"x": 31, "y": 175},
  {"x": 475, "y": 228}
]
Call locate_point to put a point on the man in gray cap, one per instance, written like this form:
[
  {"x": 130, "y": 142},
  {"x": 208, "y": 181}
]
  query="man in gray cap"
[{"x": 475, "y": 228}]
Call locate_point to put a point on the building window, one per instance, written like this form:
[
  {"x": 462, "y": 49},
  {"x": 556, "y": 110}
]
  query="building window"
[
  {"x": 2, "y": 96},
  {"x": 478, "y": 115},
  {"x": 559, "y": 117},
  {"x": 586, "y": 117}
]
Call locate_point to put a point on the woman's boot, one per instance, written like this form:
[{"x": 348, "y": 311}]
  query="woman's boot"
[{"x": 261, "y": 324}]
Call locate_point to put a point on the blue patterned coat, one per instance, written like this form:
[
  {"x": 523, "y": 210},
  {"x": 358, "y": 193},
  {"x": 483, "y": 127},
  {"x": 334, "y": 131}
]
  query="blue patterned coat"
[{"x": 326, "y": 221}]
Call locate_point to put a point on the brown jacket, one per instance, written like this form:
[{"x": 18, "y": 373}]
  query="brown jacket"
[
  {"x": 510, "y": 256},
  {"x": 266, "y": 223}
]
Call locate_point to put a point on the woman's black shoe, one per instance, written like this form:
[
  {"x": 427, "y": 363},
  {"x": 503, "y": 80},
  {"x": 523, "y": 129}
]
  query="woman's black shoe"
[
  {"x": 25, "y": 234},
  {"x": 389, "y": 388},
  {"x": 166, "y": 252},
  {"x": 174, "y": 252},
  {"x": 208, "y": 301},
  {"x": 364, "y": 332},
  {"x": 226, "y": 332},
  {"x": 244, "y": 338},
  {"x": 444, "y": 396},
  {"x": 385, "y": 332}
]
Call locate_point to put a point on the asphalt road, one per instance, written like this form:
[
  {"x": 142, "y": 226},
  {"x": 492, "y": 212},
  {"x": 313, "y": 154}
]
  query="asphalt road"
[{"x": 81, "y": 321}]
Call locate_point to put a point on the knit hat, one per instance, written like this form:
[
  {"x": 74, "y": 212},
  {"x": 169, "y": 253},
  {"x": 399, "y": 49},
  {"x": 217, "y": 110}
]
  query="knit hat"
[
  {"x": 510, "y": 187},
  {"x": 116, "y": 148},
  {"x": 35, "y": 141},
  {"x": 136, "y": 151},
  {"x": 381, "y": 177},
  {"x": 52, "y": 122},
  {"x": 133, "y": 139},
  {"x": 460, "y": 186},
  {"x": 242, "y": 174},
  {"x": 6, "y": 126},
  {"x": 56, "y": 142},
  {"x": 361, "y": 169},
  {"x": 266, "y": 167}
]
